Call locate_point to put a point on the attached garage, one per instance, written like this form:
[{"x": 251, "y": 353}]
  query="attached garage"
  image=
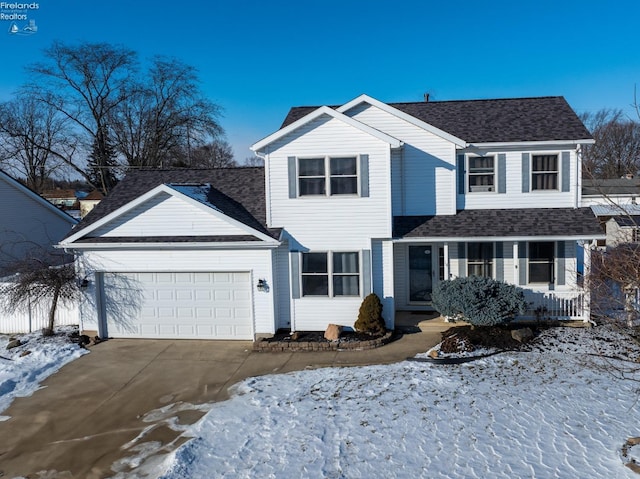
[{"x": 178, "y": 305}]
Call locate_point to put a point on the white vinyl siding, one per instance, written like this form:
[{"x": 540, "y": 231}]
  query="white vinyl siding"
[
  {"x": 320, "y": 222},
  {"x": 257, "y": 262},
  {"x": 167, "y": 215},
  {"x": 27, "y": 222},
  {"x": 514, "y": 197},
  {"x": 426, "y": 183}
]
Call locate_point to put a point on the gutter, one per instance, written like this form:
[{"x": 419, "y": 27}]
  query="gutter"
[{"x": 163, "y": 246}]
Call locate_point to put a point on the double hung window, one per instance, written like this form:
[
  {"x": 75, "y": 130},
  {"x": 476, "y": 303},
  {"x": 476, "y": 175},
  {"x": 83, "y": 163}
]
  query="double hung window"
[
  {"x": 482, "y": 176},
  {"x": 544, "y": 172},
  {"x": 328, "y": 176},
  {"x": 330, "y": 274},
  {"x": 541, "y": 261},
  {"x": 480, "y": 259}
]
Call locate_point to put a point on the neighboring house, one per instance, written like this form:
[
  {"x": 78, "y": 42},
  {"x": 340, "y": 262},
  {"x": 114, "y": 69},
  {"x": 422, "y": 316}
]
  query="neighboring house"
[
  {"x": 614, "y": 199},
  {"x": 29, "y": 224},
  {"x": 623, "y": 229},
  {"x": 89, "y": 202},
  {"x": 357, "y": 198},
  {"x": 65, "y": 198}
]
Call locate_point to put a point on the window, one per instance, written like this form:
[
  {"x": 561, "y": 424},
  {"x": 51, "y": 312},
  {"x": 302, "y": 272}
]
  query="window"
[
  {"x": 330, "y": 274},
  {"x": 544, "y": 172},
  {"x": 328, "y": 176},
  {"x": 480, "y": 259},
  {"x": 541, "y": 259},
  {"x": 481, "y": 173}
]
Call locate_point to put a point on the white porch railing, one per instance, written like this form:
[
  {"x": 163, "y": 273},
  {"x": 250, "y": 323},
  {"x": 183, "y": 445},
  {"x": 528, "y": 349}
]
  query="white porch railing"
[
  {"x": 36, "y": 316},
  {"x": 562, "y": 305}
]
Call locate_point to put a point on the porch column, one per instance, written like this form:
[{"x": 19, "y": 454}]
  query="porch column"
[
  {"x": 516, "y": 272},
  {"x": 447, "y": 266},
  {"x": 586, "y": 303}
]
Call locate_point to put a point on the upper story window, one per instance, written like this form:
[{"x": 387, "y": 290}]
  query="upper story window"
[
  {"x": 541, "y": 260},
  {"x": 480, "y": 259},
  {"x": 544, "y": 172},
  {"x": 482, "y": 175},
  {"x": 330, "y": 274},
  {"x": 328, "y": 176}
]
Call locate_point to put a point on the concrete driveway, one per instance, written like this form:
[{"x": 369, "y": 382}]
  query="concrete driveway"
[{"x": 90, "y": 414}]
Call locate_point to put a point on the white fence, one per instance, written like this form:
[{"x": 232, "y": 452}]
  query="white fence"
[
  {"x": 35, "y": 317},
  {"x": 567, "y": 305}
]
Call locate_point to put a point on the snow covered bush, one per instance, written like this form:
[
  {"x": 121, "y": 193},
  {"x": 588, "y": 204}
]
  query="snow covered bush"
[
  {"x": 480, "y": 301},
  {"x": 370, "y": 318}
]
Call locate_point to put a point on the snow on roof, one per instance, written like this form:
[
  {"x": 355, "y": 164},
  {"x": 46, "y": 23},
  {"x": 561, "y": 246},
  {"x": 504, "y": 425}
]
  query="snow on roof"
[{"x": 196, "y": 191}]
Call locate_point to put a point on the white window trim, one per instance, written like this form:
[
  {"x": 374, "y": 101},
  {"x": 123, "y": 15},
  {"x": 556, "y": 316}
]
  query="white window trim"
[
  {"x": 553, "y": 263},
  {"x": 558, "y": 156},
  {"x": 328, "y": 176},
  {"x": 467, "y": 176},
  {"x": 330, "y": 274}
]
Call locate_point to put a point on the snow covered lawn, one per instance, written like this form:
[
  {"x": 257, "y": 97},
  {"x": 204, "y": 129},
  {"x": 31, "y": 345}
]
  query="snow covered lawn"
[
  {"x": 549, "y": 412},
  {"x": 21, "y": 373}
]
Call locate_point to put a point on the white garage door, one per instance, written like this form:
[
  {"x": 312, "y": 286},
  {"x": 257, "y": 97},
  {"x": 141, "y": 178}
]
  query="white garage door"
[{"x": 214, "y": 305}]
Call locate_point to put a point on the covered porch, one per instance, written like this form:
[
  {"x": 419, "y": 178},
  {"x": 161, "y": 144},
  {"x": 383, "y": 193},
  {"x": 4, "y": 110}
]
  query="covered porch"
[{"x": 544, "y": 252}]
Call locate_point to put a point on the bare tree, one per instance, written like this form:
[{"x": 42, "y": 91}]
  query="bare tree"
[
  {"x": 614, "y": 280},
  {"x": 31, "y": 131},
  {"x": 166, "y": 116},
  {"x": 39, "y": 280},
  {"x": 616, "y": 152},
  {"x": 253, "y": 161},
  {"x": 217, "y": 154},
  {"x": 85, "y": 83}
]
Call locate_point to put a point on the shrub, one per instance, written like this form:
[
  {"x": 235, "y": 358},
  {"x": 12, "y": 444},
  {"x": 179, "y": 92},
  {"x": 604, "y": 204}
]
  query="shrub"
[
  {"x": 370, "y": 318},
  {"x": 480, "y": 301}
]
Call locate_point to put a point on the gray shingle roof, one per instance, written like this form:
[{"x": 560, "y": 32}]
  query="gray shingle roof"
[
  {"x": 616, "y": 186},
  {"x": 237, "y": 192},
  {"x": 487, "y": 121},
  {"x": 560, "y": 222}
]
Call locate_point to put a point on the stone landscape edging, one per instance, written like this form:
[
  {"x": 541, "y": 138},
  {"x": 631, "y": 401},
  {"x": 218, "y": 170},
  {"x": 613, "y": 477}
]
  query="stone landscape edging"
[{"x": 293, "y": 346}]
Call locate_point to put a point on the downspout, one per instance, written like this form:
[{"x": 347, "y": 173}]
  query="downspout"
[
  {"x": 267, "y": 184},
  {"x": 403, "y": 192},
  {"x": 578, "y": 176}
]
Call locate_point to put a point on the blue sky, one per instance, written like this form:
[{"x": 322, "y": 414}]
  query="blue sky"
[{"x": 256, "y": 58}]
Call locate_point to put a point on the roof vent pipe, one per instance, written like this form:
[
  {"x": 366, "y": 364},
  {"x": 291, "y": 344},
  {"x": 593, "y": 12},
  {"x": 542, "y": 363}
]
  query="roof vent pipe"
[{"x": 426, "y": 97}]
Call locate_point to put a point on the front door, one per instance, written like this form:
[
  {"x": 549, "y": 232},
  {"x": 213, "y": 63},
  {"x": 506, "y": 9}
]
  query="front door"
[{"x": 420, "y": 271}]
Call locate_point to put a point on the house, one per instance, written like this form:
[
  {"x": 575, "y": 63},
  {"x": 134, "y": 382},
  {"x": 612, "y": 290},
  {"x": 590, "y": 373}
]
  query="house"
[
  {"x": 62, "y": 197},
  {"x": 29, "y": 224},
  {"x": 356, "y": 198},
  {"x": 66, "y": 199},
  {"x": 89, "y": 202},
  {"x": 614, "y": 202},
  {"x": 622, "y": 229}
]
